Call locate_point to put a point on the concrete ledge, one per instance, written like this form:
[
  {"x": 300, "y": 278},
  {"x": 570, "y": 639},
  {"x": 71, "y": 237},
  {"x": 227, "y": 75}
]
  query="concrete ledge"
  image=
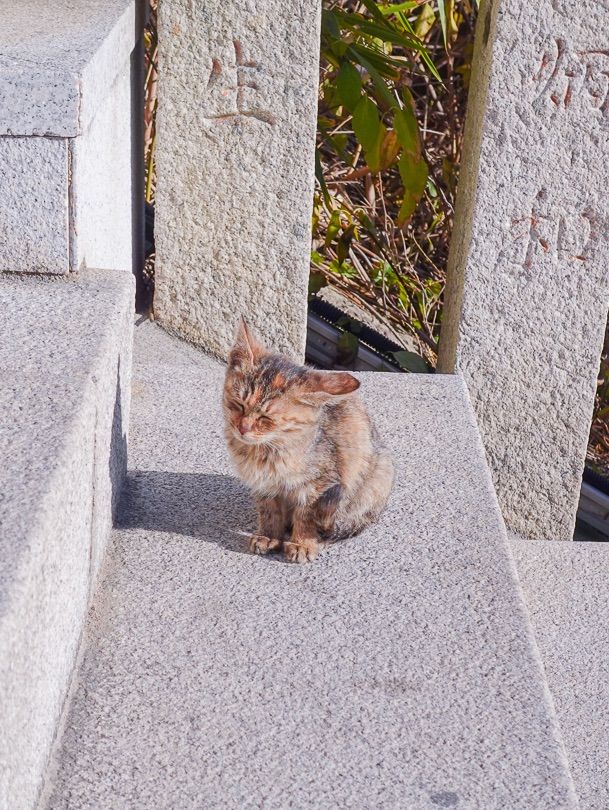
[
  {"x": 398, "y": 671},
  {"x": 65, "y": 359},
  {"x": 59, "y": 60},
  {"x": 567, "y": 592}
]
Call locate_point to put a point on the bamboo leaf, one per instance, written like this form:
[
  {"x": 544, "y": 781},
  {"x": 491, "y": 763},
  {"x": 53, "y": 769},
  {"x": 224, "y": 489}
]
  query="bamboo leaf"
[
  {"x": 369, "y": 131},
  {"x": 387, "y": 11},
  {"x": 406, "y": 126},
  {"x": 442, "y": 15},
  {"x": 333, "y": 228},
  {"x": 329, "y": 24},
  {"x": 414, "y": 175},
  {"x": 349, "y": 85},
  {"x": 385, "y": 32},
  {"x": 423, "y": 53},
  {"x": 389, "y": 149},
  {"x": 382, "y": 88},
  {"x": 411, "y": 362}
]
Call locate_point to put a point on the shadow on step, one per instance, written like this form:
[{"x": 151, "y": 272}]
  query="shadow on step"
[{"x": 212, "y": 508}]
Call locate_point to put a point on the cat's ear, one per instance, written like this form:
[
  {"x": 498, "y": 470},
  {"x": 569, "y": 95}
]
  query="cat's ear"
[
  {"x": 247, "y": 349},
  {"x": 322, "y": 385}
]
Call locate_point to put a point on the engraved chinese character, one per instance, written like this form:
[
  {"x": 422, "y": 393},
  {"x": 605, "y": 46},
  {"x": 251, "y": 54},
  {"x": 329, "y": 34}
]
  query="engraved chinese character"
[
  {"x": 233, "y": 89},
  {"x": 565, "y": 74}
]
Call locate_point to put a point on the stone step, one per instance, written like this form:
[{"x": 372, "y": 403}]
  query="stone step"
[
  {"x": 567, "y": 591},
  {"x": 65, "y": 358},
  {"x": 397, "y": 671},
  {"x": 69, "y": 82}
]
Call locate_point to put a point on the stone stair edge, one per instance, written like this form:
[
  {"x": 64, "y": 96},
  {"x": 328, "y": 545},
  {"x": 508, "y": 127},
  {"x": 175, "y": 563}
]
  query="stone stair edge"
[
  {"x": 47, "y": 582},
  {"x": 67, "y": 87}
]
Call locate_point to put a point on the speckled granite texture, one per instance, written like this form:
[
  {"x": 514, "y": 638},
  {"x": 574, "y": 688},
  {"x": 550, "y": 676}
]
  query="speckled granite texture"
[
  {"x": 527, "y": 293},
  {"x": 397, "y": 671},
  {"x": 34, "y": 205},
  {"x": 235, "y": 168},
  {"x": 70, "y": 110},
  {"x": 65, "y": 358},
  {"x": 567, "y": 591},
  {"x": 58, "y": 61}
]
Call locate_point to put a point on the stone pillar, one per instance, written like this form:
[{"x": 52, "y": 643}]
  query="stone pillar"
[
  {"x": 528, "y": 278},
  {"x": 235, "y": 163}
]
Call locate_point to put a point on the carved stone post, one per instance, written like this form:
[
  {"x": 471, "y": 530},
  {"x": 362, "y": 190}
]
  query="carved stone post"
[
  {"x": 236, "y": 134},
  {"x": 528, "y": 285}
]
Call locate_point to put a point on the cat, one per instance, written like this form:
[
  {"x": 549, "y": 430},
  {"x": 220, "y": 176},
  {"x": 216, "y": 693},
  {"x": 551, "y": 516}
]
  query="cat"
[{"x": 302, "y": 441}]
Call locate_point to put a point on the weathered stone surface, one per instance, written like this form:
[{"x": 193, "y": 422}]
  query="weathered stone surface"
[
  {"x": 34, "y": 205},
  {"x": 69, "y": 69},
  {"x": 102, "y": 187},
  {"x": 64, "y": 396},
  {"x": 526, "y": 303},
  {"x": 397, "y": 671},
  {"x": 235, "y": 161},
  {"x": 58, "y": 61},
  {"x": 566, "y": 587}
]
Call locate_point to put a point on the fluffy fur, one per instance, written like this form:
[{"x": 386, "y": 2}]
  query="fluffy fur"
[{"x": 303, "y": 443}]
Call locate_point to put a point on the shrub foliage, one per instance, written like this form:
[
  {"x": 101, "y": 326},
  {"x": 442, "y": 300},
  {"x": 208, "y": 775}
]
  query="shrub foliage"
[{"x": 393, "y": 86}]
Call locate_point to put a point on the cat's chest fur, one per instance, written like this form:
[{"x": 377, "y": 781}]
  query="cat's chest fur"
[{"x": 271, "y": 472}]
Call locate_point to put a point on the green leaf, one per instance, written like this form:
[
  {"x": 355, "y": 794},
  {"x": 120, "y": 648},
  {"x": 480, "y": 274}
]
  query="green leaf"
[
  {"x": 349, "y": 85},
  {"x": 339, "y": 49},
  {"x": 342, "y": 269},
  {"x": 383, "y": 31},
  {"x": 329, "y": 24},
  {"x": 406, "y": 126},
  {"x": 424, "y": 52},
  {"x": 414, "y": 173},
  {"x": 317, "y": 281},
  {"x": 425, "y": 21},
  {"x": 411, "y": 362},
  {"x": 333, "y": 228},
  {"x": 361, "y": 56},
  {"x": 442, "y": 15},
  {"x": 396, "y": 7},
  {"x": 340, "y": 142},
  {"x": 369, "y": 131}
]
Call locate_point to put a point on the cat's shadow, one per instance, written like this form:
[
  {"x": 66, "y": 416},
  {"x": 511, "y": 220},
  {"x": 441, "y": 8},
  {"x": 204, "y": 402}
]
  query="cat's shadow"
[{"x": 213, "y": 508}]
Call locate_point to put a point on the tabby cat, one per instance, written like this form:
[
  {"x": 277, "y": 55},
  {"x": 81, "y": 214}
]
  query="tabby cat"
[{"x": 303, "y": 442}]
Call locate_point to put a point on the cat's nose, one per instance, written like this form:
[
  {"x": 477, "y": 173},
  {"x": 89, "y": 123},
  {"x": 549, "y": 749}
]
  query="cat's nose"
[{"x": 245, "y": 425}]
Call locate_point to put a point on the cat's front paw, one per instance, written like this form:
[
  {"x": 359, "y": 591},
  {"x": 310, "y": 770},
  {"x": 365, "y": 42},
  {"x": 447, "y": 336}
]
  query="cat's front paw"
[
  {"x": 302, "y": 552},
  {"x": 262, "y": 545}
]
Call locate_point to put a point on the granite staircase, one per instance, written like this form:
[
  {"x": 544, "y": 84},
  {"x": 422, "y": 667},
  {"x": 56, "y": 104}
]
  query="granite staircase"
[
  {"x": 146, "y": 659},
  {"x": 399, "y": 670}
]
